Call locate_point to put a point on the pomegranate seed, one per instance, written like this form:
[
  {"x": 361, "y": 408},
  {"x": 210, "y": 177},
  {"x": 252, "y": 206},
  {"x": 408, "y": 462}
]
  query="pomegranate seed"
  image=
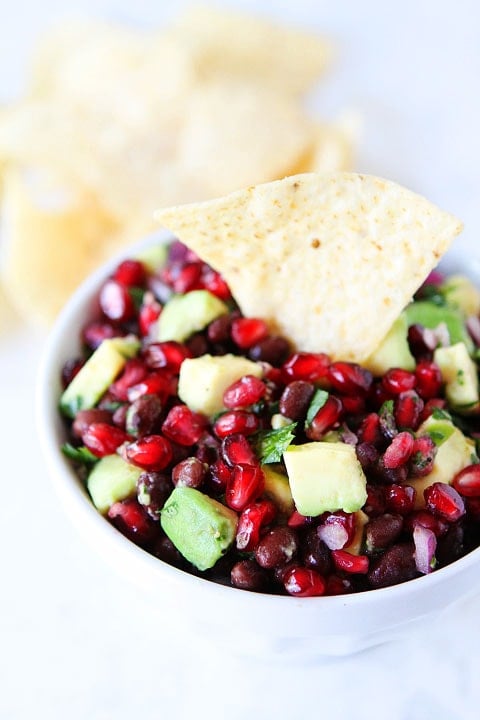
[
  {"x": 156, "y": 383},
  {"x": 400, "y": 499},
  {"x": 408, "y": 408},
  {"x": 428, "y": 379},
  {"x": 130, "y": 273},
  {"x": 396, "y": 381},
  {"x": 246, "y": 332},
  {"x": 189, "y": 473},
  {"x": 422, "y": 456},
  {"x": 350, "y": 378},
  {"x": 152, "y": 452},
  {"x": 184, "y": 426},
  {"x": 236, "y": 421},
  {"x": 337, "y": 530},
  {"x": 467, "y": 481},
  {"x": 422, "y": 341},
  {"x": 236, "y": 450},
  {"x": 245, "y": 484},
  {"x": 116, "y": 302},
  {"x": 304, "y": 582},
  {"x": 214, "y": 283},
  {"x": 220, "y": 475},
  {"x": 133, "y": 373},
  {"x": 169, "y": 355},
  {"x": 325, "y": 418},
  {"x": 251, "y": 521},
  {"x": 378, "y": 396},
  {"x": 346, "y": 561},
  {"x": 311, "y": 367},
  {"x": 426, "y": 520},
  {"x": 133, "y": 522},
  {"x": 337, "y": 585},
  {"x": 147, "y": 316},
  {"x": 188, "y": 278},
  {"x": 85, "y": 418},
  {"x": 297, "y": 520},
  {"x": 375, "y": 504},
  {"x": 246, "y": 391},
  {"x": 473, "y": 507},
  {"x": 103, "y": 439},
  {"x": 399, "y": 450},
  {"x": 430, "y": 406},
  {"x": 444, "y": 501},
  {"x": 369, "y": 430},
  {"x": 353, "y": 404},
  {"x": 96, "y": 332}
]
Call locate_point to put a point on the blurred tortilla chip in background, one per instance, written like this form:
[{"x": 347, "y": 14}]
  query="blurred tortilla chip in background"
[{"x": 116, "y": 122}]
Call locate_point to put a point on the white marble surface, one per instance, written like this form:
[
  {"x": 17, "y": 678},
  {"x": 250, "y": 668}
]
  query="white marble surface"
[{"x": 76, "y": 641}]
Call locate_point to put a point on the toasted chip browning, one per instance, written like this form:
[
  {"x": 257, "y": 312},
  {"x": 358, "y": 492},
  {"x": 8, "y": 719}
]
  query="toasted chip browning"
[{"x": 330, "y": 261}]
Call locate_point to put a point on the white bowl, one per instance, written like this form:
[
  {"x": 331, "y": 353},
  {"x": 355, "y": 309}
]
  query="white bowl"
[{"x": 281, "y": 626}]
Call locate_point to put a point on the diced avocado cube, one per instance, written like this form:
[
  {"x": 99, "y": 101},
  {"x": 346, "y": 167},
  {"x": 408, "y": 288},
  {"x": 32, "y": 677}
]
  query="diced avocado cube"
[
  {"x": 201, "y": 528},
  {"x": 459, "y": 374},
  {"x": 186, "y": 314},
  {"x": 204, "y": 379},
  {"x": 459, "y": 292},
  {"x": 325, "y": 477},
  {"x": 439, "y": 429},
  {"x": 153, "y": 257},
  {"x": 431, "y": 316},
  {"x": 393, "y": 351},
  {"x": 98, "y": 373},
  {"x": 111, "y": 479},
  {"x": 455, "y": 453},
  {"x": 277, "y": 488}
]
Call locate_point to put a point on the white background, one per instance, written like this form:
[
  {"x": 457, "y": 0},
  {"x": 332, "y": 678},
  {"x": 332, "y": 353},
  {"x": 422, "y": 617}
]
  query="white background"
[{"x": 76, "y": 641}]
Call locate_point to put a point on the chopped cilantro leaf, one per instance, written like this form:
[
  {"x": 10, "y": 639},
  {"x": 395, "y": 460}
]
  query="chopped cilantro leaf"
[
  {"x": 271, "y": 444},
  {"x": 439, "y": 414},
  {"x": 318, "y": 400},
  {"x": 78, "y": 454}
]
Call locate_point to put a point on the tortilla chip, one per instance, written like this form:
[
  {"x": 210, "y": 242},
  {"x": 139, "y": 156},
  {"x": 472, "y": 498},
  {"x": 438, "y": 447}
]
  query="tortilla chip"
[
  {"x": 329, "y": 261},
  {"x": 233, "y": 45},
  {"x": 53, "y": 238}
]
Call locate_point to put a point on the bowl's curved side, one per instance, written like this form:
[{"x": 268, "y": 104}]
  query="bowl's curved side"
[{"x": 327, "y": 625}]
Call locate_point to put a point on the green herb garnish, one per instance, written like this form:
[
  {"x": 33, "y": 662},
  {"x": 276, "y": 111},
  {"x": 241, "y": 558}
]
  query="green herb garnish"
[
  {"x": 271, "y": 444},
  {"x": 78, "y": 454},
  {"x": 318, "y": 400}
]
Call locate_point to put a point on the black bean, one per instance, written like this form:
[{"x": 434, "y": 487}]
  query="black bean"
[
  {"x": 396, "y": 565},
  {"x": 315, "y": 554},
  {"x": 277, "y": 547},
  {"x": 144, "y": 416},
  {"x": 274, "y": 350},
  {"x": 153, "y": 488},
  {"x": 248, "y": 575},
  {"x": 296, "y": 398},
  {"x": 190, "y": 472},
  {"x": 382, "y": 531}
]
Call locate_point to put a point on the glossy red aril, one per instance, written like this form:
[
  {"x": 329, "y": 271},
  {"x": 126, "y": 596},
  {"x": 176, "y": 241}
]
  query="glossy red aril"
[
  {"x": 350, "y": 563},
  {"x": 147, "y": 316},
  {"x": 443, "y": 500},
  {"x": 430, "y": 406},
  {"x": 95, "y": 333},
  {"x": 85, "y": 418},
  {"x": 428, "y": 379},
  {"x": 337, "y": 585},
  {"x": 349, "y": 378},
  {"x": 103, "y": 439},
  {"x": 214, "y": 283},
  {"x": 130, "y": 518},
  {"x": 246, "y": 332},
  {"x": 251, "y": 521},
  {"x": 296, "y": 520},
  {"x": 245, "y": 391},
  {"x": 116, "y": 302},
  {"x": 168, "y": 354},
  {"x": 236, "y": 450},
  {"x": 220, "y": 475},
  {"x": 399, "y": 499},
  {"x": 130, "y": 273},
  {"x": 184, "y": 426},
  {"x": 188, "y": 278},
  {"x": 397, "y": 380},
  {"x": 133, "y": 373},
  {"x": 152, "y": 452},
  {"x": 245, "y": 484},
  {"x": 369, "y": 430},
  {"x": 304, "y": 582},
  {"x": 325, "y": 418},
  {"x": 408, "y": 409},
  {"x": 427, "y": 520},
  {"x": 467, "y": 481},
  {"x": 156, "y": 383},
  {"x": 422, "y": 456},
  {"x": 236, "y": 421},
  {"x": 311, "y": 367},
  {"x": 337, "y": 530},
  {"x": 399, "y": 450}
]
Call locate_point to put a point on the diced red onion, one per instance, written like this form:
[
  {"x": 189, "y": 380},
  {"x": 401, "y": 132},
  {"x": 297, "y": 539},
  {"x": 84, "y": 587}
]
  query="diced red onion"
[
  {"x": 473, "y": 327},
  {"x": 425, "y": 546},
  {"x": 334, "y": 535}
]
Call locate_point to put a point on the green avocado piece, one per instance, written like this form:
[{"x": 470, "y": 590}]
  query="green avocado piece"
[
  {"x": 393, "y": 351},
  {"x": 459, "y": 292},
  {"x": 431, "y": 315},
  {"x": 98, "y": 373},
  {"x": 186, "y": 314},
  {"x": 460, "y": 376},
  {"x": 153, "y": 257},
  {"x": 439, "y": 429},
  {"x": 111, "y": 479},
  {"x": 325, "y": 476},
  {"x": 277, "y": 488},
  {"x": 201, "y": 528}
]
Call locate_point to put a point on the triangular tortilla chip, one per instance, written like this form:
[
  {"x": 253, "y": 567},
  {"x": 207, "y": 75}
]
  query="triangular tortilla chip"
[{"x": 329, "y": 261}]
